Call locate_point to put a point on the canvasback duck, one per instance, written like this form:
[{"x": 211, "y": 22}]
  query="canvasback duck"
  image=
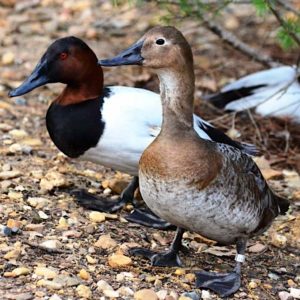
[
  {"x": 274, "y": 92},
  {"x": 110, "y": 126},
  {"x": 203, "y": 186}
]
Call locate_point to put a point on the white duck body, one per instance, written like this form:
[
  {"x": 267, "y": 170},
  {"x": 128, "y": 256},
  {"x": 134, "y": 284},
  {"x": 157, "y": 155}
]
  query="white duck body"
[
  {"x": 132, "y": 120},
  {"x": 274, "y": 92}
]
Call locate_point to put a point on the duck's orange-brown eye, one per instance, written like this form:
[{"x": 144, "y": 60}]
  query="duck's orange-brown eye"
[{"x": 63, "y": 55}]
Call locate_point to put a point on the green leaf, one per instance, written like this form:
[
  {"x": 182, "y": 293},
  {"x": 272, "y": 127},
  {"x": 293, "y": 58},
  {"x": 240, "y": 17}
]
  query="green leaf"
[
  {"x": 286, "y": 42},
  {"x": 261, "y": 7},
  {"x": 283, "y": 33}
]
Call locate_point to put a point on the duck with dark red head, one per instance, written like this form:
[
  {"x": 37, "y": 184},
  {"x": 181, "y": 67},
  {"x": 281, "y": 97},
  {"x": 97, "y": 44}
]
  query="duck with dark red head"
[{"x": 110, "y": 126}]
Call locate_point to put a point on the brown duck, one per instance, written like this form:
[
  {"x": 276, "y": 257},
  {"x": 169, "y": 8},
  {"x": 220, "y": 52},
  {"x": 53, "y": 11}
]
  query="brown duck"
[{"x": 198, "y": 185}]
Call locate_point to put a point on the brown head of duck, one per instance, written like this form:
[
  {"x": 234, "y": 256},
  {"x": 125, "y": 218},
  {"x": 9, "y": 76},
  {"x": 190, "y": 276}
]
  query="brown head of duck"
[
  {"x": 165, "y": 49},
  {"x": 70, "y": 61},
  {"x": 202, "y": 186}
]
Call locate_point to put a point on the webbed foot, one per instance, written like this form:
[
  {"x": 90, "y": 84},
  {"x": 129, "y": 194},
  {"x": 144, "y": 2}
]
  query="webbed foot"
[
  {"x": 93, "y": 202},
  {"x": 147, "y": 218},
  {"x": 222, "y": 284},
  {"x": 166, "y": 259}
]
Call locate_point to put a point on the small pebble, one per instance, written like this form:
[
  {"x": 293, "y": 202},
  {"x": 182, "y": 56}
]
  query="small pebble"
[
  {"x": 283, "y": 295},
  {"x": 83, "y": 274},
  {"x": 13, "y": 254},
  {"x": 257, "y": 248},
  {"x": 11, "y": 223},
  {"x": 295, "y": 293},
  {"x": 278, "y": 240},
  {"x": 84, "y": 291},
  {"x": 105, "y": 242},
  {"x": 190, "y": 277},
  {"x": 179, "y": 272},
  {"x": 20, "y": 101},
  {"x": 190, "y": 295},
  {"x": 8, "y": 58},
  {"x": 97, "y": 217},
  {"x": 6, "y": 231},
  {"x": 162, "y": 294},
  {"x": 55, "y": 297},
  {"x": 66, "y": 280},
  {"x": 91, "y": 260},
  {"x": 174, "y": 295},
  {"x": 51, "y": 285},
  {"x": 45, "y": 272},
  {"x": 119, "y": 260},
  {"x": 42, "y": 215},
  {"x": 51, "y": 244},
  {"x": 291, "y": 283},
  {"x": 273, "y": 276},
  {"x": 206, "y": 295},
  {"x": 252, "y": 285},
  {"x": 35, "y": 227},
  {"x": 9, "y": 174},
  {"x": 111, "y": 294},
  {"x": 102, "y": 285},
  {"x": 17, "y": 272},
  {"x": 125, "y": 291},
  {"x": 18, "y": 133},
  {"x": 145, "y": 294},
  {"x": 38, "y": 202}
]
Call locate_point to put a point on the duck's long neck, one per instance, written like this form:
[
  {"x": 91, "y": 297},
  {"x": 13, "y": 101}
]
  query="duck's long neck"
[
  {"x": 89, "y": 87},
  {"x": 177, "y": 96}
]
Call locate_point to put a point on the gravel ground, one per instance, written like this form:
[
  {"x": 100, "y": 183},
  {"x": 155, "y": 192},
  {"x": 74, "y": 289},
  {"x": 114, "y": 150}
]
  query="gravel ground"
[{"x": 60, "y": 250}]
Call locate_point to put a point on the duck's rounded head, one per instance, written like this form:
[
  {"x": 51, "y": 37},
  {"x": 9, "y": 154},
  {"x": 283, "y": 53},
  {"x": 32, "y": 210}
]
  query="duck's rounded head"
[
  {"x": 68, "y": 60},
  {"x": 161, "y": 47}
]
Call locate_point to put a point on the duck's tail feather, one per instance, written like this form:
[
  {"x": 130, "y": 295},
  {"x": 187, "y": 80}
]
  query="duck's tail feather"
[
  {"x": 283, "y": 204},
  {"x": 220, "y": 100}
]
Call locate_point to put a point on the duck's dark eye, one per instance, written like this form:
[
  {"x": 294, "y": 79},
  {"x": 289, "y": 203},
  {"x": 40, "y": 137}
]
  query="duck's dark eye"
[
  {"x": 160, "y": 41},
  {"x": 63, "y": 55}
]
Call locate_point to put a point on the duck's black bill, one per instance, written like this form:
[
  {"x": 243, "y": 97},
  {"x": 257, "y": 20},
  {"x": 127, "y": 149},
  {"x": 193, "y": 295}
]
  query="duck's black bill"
[
  {"x": 130, "y": 56},
  {"x": 37, "y": 78}
]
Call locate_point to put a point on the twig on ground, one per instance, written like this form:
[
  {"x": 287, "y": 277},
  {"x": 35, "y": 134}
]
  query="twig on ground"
[
  {"x": 237, "y": 44},
  {"x": 255, "y": 125}
]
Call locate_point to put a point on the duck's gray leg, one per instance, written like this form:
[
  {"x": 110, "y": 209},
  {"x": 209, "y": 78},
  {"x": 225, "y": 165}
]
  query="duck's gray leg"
[
  {"x": 140, "y": 216},
  {"x": 228, "y": 283},
  {"x": 144, "y": 216},
  {"x": 165, "y": 259},
  {"x": 94, "y": 202}
]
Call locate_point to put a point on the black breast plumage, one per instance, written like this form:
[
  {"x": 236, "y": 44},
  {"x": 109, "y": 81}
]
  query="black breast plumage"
[{"x": 75, "y": 128}]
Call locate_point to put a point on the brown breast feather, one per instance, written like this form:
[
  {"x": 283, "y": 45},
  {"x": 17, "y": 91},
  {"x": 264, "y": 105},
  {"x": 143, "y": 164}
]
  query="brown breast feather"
[{"x": 188, "y": 158}]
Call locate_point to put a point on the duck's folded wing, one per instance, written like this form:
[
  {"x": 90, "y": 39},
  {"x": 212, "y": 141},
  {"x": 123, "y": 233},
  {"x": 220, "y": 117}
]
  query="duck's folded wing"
[
  {"x": 219, "y": 136},
  {"x": 251, "y": 178}
]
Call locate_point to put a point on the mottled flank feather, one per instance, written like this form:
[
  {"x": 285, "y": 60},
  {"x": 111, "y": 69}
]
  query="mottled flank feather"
[{"x": 251, "y": 179}]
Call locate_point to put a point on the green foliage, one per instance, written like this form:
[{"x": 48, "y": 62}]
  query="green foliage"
[
  {"x": 286, "y": 31},
  {"x": 261, "y": 7},
  {"x": 283, "y": 34}
]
